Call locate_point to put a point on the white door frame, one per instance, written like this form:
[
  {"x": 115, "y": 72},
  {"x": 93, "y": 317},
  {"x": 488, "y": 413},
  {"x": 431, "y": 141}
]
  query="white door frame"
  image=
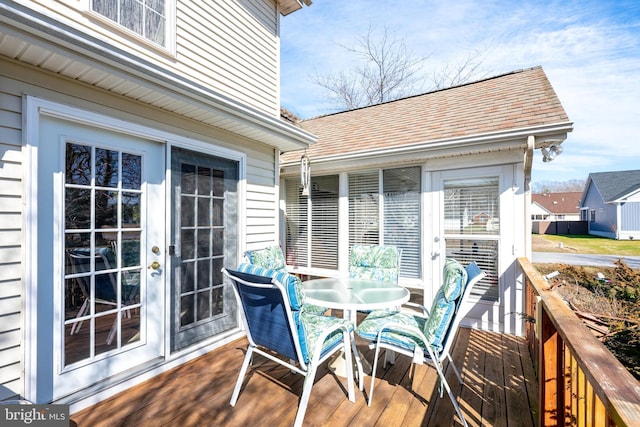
[{"x": 33, "y": 108}]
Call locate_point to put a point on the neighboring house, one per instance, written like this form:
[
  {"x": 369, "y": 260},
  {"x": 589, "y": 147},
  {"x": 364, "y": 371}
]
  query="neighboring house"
[
  {"x": 561, "y": 206},
  {"x": 445, "y": 173},
  {"x": 611, "y": 204},
  {"x": 138, "y": 152}
]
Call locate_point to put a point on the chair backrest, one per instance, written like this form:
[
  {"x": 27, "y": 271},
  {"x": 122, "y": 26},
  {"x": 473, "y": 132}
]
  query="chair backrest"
[
  {"x": 270, "y": 257},
  {"x": 268, "y": 314},
  {"x": 105, "y": 283},
  {"x": 376, "y": 262},
  {"x": 446, "y": 313}
]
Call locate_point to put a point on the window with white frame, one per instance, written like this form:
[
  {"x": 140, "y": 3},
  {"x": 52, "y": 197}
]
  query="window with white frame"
[
  {"x": 312, "y": 224},
  {"x": 472, "y": 228},
  {"x": 400, "y": 198},
  {"x": 147, "y": 18}
]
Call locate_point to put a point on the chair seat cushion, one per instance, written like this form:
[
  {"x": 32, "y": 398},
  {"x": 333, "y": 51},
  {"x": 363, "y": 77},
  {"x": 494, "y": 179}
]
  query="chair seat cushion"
[
  {"x": 314, "y": 325},
  {"x": 371, "y": 325}
]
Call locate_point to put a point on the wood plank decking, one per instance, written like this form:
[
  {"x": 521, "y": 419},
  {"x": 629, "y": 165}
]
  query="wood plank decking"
[{"x": 499, "y": 390}]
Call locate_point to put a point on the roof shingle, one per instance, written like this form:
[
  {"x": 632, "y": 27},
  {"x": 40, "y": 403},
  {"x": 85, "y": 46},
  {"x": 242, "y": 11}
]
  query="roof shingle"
[{"x": 516, "y": 100}]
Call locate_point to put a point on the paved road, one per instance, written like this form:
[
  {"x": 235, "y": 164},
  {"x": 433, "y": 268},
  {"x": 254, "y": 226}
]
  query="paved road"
[{"x": 580, "y": 259}]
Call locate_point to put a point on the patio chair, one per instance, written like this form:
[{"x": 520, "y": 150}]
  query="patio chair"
[
  {"x": 377, "y": 262},
  {"x": 270, "y": 257},
  {"x": 427, "y": 336},
  {"x": 276, "y": 323}
]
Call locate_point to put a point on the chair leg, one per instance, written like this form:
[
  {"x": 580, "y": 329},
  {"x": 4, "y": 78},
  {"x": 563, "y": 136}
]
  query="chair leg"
[
  {"x": 245, "y": 365},
  {"x": 356, "y": 355},
  {"x": 306, "y": 392},
  {"x": 348, "y": 364},
  {"x": 455, "y": 370},
  {"x": 373, "y": 373},
  {"x": 443, "y": 382},
  {"x": 76, "y": 326}
]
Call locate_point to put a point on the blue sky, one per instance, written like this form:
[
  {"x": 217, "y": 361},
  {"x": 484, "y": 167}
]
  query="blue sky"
[{"x": 590, "y": 51}]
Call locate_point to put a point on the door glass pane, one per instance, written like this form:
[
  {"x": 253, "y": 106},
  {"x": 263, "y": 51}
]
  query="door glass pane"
[
  {"x": 205, "y": 198},
  {"x": 102, "y": 251},
  {"x": 472, "y": 228}
]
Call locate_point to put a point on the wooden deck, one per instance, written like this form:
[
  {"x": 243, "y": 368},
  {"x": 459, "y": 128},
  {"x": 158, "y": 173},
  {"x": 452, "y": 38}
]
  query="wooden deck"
[{"x": 499, "y": 390}]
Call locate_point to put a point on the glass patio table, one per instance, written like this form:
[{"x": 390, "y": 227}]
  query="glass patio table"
[{"x": 351, "y": 296}]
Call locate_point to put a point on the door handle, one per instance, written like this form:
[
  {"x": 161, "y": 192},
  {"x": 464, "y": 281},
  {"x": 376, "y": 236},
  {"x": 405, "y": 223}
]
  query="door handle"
[{"x": 154, "y": 265}]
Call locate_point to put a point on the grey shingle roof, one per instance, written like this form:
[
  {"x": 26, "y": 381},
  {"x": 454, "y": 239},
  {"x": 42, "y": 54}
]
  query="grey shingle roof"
[{"x": 614, "y": 185}]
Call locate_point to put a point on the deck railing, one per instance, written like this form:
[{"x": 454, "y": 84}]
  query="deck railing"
[{"x": 580, "y": 382}]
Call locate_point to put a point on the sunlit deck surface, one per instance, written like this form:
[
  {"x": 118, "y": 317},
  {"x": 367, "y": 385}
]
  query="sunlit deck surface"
[{"x": 499, "y": 390}]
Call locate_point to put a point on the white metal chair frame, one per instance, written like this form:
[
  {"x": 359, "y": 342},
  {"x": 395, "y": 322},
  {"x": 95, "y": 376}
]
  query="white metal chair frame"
[
  {"x": 308, "y": 370},
  {"x": 474, "y": 274}
]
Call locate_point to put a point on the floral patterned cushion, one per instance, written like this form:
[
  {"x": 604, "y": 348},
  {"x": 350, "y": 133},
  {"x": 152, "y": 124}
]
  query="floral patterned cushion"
[
  {"x": 405, "y": 338},
  {"x": 270, "y": 257},
  {"x": 315, "y": 325},
  {"x": 454, "y": 277},
  {"x": 444, "y": 303},
  {"x": 374, "y": 262},
  {"x": 432, "y": 329}
]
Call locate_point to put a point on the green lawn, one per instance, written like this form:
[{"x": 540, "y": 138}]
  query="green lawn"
[{"x": 584, "y": 244}]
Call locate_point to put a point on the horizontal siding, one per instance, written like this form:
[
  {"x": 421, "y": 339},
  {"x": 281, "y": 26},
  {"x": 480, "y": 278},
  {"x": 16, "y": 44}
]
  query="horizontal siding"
[
  {"x": 11, "y": 240},
  {"x": 233, "y": 47},
  {"x": 230, "y": 46},
  {"x": 261, "y": 218}
]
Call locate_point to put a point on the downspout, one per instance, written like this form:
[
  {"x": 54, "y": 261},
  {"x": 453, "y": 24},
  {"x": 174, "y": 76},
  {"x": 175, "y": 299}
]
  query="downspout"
[{"x": 528, "y": 162}]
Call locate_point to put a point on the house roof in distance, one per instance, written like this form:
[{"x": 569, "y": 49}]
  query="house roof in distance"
[
  {"x": 559, "y": 203},
  {"x": 615, "y": 185},
  {"x": 516, "y": 100}
]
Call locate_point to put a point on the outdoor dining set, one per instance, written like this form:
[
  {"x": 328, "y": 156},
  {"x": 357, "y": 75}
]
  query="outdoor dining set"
[{"x": 292, "y": 322}]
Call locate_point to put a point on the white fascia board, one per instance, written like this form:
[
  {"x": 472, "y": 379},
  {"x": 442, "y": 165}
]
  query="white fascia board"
[{"x": 483, "y": 143}]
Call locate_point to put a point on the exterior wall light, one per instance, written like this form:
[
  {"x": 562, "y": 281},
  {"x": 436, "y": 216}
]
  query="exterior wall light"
[{"x": 551, "y": 153}]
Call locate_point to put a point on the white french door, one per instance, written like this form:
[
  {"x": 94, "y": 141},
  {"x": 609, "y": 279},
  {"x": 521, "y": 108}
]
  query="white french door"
[{"x": 100, "y": 250}]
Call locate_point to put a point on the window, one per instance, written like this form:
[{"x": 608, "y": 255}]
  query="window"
[
  {"x": 384, "y": 208},
  {"x": 402, "y": 218},
  {"x": 312, "y": 223},
  {"x": 147, "y": 18},
  {"x": 592, "y": 216},
  {"x": 472, "y": 228}
]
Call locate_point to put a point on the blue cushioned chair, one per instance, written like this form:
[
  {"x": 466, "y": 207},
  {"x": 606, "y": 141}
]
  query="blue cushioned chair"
[
  {"x": 272, "y": 258},
  {"x": 427, "y": 336},
  {"x": 275, "y": 321}
]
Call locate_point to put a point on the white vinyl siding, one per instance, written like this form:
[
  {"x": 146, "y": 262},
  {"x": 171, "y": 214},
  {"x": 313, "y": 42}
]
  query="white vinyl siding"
[
  {"x": 11, "y": 383},
  {"x": 262, "y": 200},
  {"x": 227, "y": 47}
]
